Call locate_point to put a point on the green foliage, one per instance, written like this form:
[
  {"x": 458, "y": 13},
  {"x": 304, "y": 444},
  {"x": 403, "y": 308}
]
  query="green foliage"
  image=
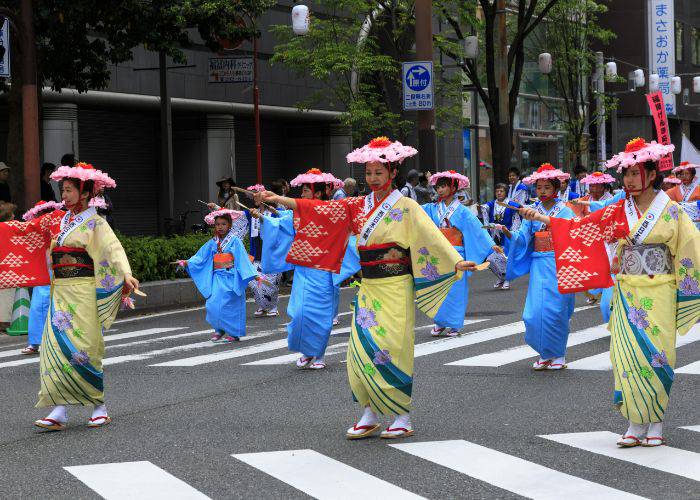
[
  {"x": 151, "y": 257},
  {"x": 77, "y": 40}
]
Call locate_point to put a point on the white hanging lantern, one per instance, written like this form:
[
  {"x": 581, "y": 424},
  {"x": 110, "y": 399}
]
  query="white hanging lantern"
[
  {"x": 611, "y": 69},
  {"x": 471, "y": 47},
  {"x": 696, "y": 84},
  {"x": 545, "y": 63},
  {"x": 653, "y": 82},
  {"x": 638, "y": 78},
  {"x": 676, "y": 85},
  {"x": 300, "y": 19}
]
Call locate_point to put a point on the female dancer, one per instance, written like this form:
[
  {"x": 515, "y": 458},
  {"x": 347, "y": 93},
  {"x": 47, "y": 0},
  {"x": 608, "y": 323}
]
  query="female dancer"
[
  {"x": 463, "y": 230},
  {"x": 657, "y": 290},
  {"x": 689, "y": 187},
  {"x": 266, "y": 288},
  {"x": 669, "y": 182},
  {"x": 39, "y": 305},
  {"x": 405, "y": 260},
  {"x": 313, "y": 303},
  {"x": 221, "y": 271},
  {"x": 90, "y": 275},
  {"x": 598, "y": 184},
  {"x": 495, "y": 212},
  {"x": 547, "y": 312}
]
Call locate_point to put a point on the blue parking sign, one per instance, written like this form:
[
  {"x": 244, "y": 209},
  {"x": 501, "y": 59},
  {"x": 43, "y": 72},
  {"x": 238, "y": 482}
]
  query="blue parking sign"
[{"x": 417, "y": 85}]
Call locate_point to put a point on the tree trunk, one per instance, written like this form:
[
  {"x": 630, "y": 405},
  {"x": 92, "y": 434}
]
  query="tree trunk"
[{"x": 502, "y": 150}]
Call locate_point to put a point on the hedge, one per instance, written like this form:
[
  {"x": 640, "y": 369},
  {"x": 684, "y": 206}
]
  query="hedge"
[{"x": 151, "y": 256}]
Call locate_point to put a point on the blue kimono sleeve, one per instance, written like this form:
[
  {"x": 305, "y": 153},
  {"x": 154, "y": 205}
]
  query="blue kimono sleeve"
[
  {"x": 244, "y": 269},
  {"x": 520, "y": 251},
  {"x": 201, "y": 268},
  {"x": 599, "y": 205},
  {"x": 478, "y": 244},
  {"x": 351, "y": 262},
  {"x": 277, "y": 234}
]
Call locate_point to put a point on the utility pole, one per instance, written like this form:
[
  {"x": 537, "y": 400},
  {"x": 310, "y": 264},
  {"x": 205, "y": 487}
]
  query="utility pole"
[
  {"x": 30, "y": 105},
  {"x": 166, "y": 198},
  {"x": 600, "y": 107},
  {"x": 427, "y": 147},
  {"x": 256, "y": 112},
  {"x": 504, "y": 130}
]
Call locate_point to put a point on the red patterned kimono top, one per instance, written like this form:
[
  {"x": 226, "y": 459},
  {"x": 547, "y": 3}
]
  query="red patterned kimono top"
[{"x": 23, "y": 247}]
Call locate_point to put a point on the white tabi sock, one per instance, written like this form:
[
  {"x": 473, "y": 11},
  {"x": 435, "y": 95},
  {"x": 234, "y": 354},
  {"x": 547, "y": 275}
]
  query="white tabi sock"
[
  {"x": 59, "y": 414},
  {"x": 402, "y": 421},
  {"x": 655, "y": 429},
  {"x": 99, "y": 411},
  {"x": 368, "y": 417},
  {"x": 638, "y": 430}
]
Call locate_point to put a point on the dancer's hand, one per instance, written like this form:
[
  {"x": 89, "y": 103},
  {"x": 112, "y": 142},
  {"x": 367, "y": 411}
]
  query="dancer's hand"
[
  {"x": 534, "y": 215},
  {"x": 130, "y": 283},
  {"x": 213, "y": 206},
  {"x": 497, "y": 249},
  {"x": 465, "y": 265},
  {"x": 254, "y": 212}
]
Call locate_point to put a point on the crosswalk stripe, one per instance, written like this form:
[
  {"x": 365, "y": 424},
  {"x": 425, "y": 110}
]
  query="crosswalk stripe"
[
  {"x": 519, "y": 353},
  {"x": 691, "y": 369},
  {"x": 341, "y": 347},
  {"x": 510, "y": 473},
  {"x": 695, "y": 428},
  {"x": 602, "y": 361},
  {"x": 664, "y": 458},
  {"x": 322, "y": 477},
  {"x": 230, "y": 354},
  {"x": 116, "y": 481}
]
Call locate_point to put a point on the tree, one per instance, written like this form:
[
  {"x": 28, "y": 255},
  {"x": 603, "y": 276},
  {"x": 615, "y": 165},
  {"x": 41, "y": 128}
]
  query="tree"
[
  {"x": 354, "y": 49},
  {"x": 497, "y": 75},
  {"x": 568, "y": 34},
  {"x": 77, "y": 41}
]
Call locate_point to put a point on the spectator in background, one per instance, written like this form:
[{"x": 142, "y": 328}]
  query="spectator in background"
[
  {"x": 349, "y": 188},
  {"x": 517, "y": 191},
  {"x": 576, "y": 186},
  {"x": 4, "y": 186},
  {"x": 68, "y": 159},
  {"x": 409, "y": 190},
  {"x": 227, "y": 197},
  {"x": 47, "y": 192},
  {"x": 425, "y": 193}
]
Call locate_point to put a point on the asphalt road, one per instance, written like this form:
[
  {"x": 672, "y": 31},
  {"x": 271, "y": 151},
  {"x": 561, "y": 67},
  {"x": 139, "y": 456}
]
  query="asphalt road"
[{"x": 485, "y": 427}]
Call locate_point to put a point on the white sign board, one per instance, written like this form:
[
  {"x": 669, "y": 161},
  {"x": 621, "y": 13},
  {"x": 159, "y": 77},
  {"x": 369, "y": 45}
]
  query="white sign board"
[
  {"x": 5, "y": 43},
  {"x": 662, "y": 48},
  {"x": 230, "y": 70},
  {"x": 418, "y": 85}
]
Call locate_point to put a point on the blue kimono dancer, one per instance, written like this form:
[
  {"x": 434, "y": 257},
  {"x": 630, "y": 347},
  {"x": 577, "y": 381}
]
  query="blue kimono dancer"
[
  {"x": 315, "y": 293},
  {"x": 477, "y": 246},
  {"x": 224, "y": 289},
  {"x": 547, "y": 312},
  {"x": 38, "y": 310},
  {"x": 507, "y": 221}
]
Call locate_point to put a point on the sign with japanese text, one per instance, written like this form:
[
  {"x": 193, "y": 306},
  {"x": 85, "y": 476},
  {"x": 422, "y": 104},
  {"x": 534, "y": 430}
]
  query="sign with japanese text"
[
  {"x": 5, "y": 44},
  {"x": 418, "y": 85},
  {"x": 663, "y": 134},
  {"x": 230, "y": 70},
  {"x": 662, "y": 48}
]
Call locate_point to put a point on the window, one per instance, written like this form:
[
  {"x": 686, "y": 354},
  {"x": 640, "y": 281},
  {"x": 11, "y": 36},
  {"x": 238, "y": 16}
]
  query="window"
[
  {"x": 695, "y": 46},
  {"x": 679, "y": 41}
]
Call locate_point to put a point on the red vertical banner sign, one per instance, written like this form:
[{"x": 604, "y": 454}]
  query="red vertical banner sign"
[{"x": 663, "y": 134}]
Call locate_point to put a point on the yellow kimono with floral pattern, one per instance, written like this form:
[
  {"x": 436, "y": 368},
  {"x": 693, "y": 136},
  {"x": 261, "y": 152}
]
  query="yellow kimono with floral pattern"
[{"x": 380, "y": 353}]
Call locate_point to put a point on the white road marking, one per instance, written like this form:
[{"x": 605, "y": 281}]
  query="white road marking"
[
  {"x": 322, "y": 477},
  {"x": 135, "y": 480},
  {"x": 508, "y": 472}
]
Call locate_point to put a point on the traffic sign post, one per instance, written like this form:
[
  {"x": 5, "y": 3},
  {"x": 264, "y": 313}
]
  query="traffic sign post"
[{"x": 418, "y": 85}]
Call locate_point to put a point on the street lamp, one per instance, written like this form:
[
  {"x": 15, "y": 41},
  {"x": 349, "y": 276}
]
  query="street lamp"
[
  {"x": 676, "y": 86},
  {"x": 653, "y": 82},
  {"x": 544, "y": 61}
]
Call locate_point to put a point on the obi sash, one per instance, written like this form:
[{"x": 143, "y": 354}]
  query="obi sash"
[
  {"x": 646, "y": 259},
  {"x": 71, "y": 262},
  {"x": 223, "y": 261},
  {"x": 383, "y": 261},
  {"x": 453, "y": 235},
  {"x": 543, "y": 241}
]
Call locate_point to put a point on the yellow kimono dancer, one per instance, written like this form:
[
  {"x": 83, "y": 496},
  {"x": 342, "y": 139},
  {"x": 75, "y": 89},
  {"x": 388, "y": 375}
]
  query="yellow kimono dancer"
[
  {"x": 91, "y": 275},
  {"x": 404, "y": 259},
  {"x": 656, "y": 296}
]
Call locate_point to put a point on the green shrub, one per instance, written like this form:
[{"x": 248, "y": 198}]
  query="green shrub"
[{"x": 150, "y": 256}]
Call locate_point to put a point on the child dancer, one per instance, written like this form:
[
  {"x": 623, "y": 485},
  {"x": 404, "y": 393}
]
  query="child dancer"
[
  {"x": 463, "y": 230},
  {"x": 494, "y": 212},
  {"x": 221, "y": 271},
  {"x": 547, "y": 312}
]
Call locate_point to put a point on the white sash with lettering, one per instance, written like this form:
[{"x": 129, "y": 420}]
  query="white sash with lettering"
[
  {"x": 379, "y": 214},
  {"x": 225, "y": 242},
  {"x": 69, "y": 227},
  {"x": 651, "y": 217},
  {"x": 688, "y": 190},
  {"x": 444, "y": 214}
]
